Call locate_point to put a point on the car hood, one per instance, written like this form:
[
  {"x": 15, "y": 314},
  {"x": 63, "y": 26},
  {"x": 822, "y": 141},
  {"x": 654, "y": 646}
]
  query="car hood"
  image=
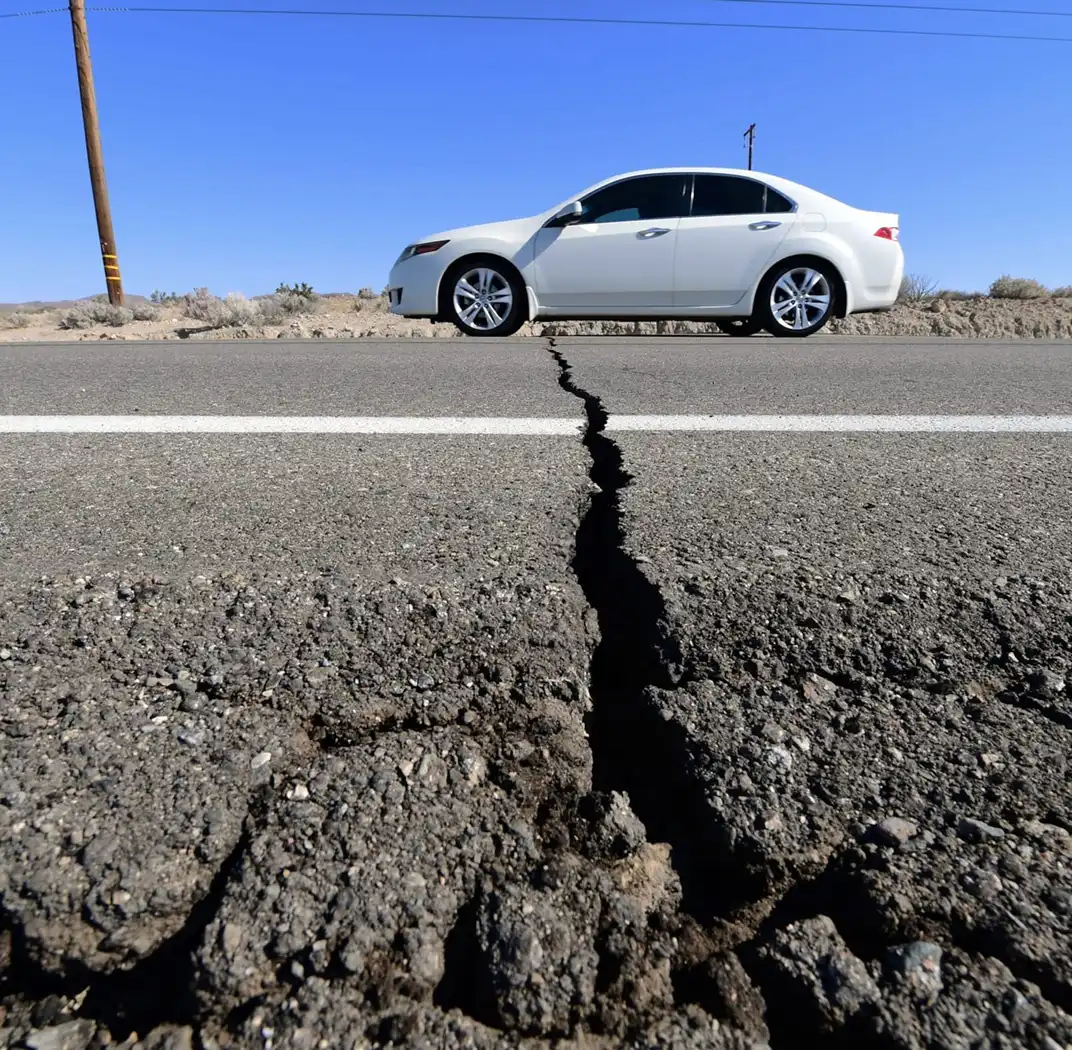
[{"x": 509, "y": 230}]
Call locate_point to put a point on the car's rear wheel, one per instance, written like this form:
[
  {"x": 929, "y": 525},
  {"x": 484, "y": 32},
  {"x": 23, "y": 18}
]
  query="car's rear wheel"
[
  {"x": 739, "y": 325},
  {"x": 483, "y": 297},
  {"x": 796, "y": 299}
]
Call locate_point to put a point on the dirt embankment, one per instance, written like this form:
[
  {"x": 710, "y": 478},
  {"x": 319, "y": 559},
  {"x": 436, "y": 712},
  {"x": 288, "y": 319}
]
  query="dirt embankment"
[{"x": 354, "y": 317}]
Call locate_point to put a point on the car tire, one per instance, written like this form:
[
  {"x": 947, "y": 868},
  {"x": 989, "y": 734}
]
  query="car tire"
[
  {"x": 490, "y": 285},
  {"x": 796, "y": 299},
  {"x": 739, "y": 325}
]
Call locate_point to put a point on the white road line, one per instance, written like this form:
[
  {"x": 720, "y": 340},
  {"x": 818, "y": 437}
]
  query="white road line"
[
  {"x": 848, "y": 424},
  {"x": 507, "y": 425},
  {"x": 149, "y": 424}
]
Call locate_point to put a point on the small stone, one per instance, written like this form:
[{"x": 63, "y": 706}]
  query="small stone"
[
  {"x": 261, "y": 760},
  {"x": 425, "y": 682},
  {"x": 983, "y": 884},
  {"x": 972, "y": 830},
  {"x": 191, "y": 737},
  {"x": 72, "y": 1035},
  {"x": 1046, "y": 683},
  {"x": 5, "y": 654},
  {"x": 817, "y": 689},
  {"x": 192, "y": 702},
  {"x": 894, "y": 831},
  {"x": 918, "y": 964},
  {"x": 301, "y": 792},
  {"x": 778, "y": 553},
  {"x": 779, "y": 757}
]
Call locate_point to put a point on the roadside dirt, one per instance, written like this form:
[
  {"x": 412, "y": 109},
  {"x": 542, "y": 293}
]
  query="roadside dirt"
[{"x": 351, "y": 317}]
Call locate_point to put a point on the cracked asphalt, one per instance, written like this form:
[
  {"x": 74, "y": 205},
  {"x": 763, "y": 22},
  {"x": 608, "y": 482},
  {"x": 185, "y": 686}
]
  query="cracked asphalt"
[{"x": 647, "y": 740}]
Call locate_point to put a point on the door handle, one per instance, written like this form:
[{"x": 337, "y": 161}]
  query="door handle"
[
  {"x": 765, "y": 225},
  {"x": 653, "y": 231}
]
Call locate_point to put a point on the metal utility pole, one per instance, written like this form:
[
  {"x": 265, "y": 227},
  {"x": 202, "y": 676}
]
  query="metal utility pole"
[
  {"x": 94, "y": 153},
  {"x": 750, "y": 134}
]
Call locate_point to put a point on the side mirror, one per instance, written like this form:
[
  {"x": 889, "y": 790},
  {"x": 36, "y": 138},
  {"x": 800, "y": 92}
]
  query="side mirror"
[{"x": 569, "y": 212}]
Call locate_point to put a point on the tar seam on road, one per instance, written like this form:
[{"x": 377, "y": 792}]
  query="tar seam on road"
[{"x": 532, "y": 425}]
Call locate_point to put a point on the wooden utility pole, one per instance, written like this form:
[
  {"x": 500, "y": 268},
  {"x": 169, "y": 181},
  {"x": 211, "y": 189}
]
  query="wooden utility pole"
[
  {"x": 94, "y": 154},
  {"x": 750, "y": 134}
]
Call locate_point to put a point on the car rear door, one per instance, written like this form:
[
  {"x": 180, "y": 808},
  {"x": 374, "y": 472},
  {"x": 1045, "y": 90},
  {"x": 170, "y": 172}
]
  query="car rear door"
[
  {"x": 734, "y": 226},
  {"x": 619, "y": 253}
]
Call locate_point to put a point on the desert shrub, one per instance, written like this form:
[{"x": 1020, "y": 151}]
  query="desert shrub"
[
  {"x": 278, "y": 308},
  {"x": 366, "y": 293},
  {"x": 85, "y": 315},
  {"x": 953, "y": 295},
  {"x": 145, "y": 311},
  {"x": 1006, "y": 287},
  {"x": 165, "y": 298},
  {"x": 230, "y": 312},
  {"x": 301, "y": 291},
  {"x": 1064, "y": 292},
  {"x": 915, "y": 288},
  {"x": 18, "y": 319}
]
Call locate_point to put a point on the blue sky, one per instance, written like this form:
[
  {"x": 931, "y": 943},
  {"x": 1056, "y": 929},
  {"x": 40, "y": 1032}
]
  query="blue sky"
[{"x": 245, "y": 151}]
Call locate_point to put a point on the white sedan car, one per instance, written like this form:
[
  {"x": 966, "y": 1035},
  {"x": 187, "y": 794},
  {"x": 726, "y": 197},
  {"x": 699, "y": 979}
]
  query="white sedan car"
[{"x": 744, "y": 250}]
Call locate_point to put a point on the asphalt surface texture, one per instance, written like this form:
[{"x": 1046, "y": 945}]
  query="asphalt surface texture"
[{"x": 704, "y": 740}]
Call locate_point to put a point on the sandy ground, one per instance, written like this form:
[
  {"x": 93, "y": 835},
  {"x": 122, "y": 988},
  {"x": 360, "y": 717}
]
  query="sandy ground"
[{"x": 349, "y": 317}]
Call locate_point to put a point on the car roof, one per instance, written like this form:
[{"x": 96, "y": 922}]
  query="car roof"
[{"x": 793, "y": 189}]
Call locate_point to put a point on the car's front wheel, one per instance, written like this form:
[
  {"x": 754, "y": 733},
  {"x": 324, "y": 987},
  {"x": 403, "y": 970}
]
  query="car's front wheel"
[
  {"x": 482, "y": 297},
  {"x": 739, "y": 325},
  {"x": 796, "y": 299}
]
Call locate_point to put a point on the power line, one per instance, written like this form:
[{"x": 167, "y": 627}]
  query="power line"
[
  {"x": 574, "y": 20},
  {"x": 867, "y": 5},
  {"x": 578, "y": 20}
]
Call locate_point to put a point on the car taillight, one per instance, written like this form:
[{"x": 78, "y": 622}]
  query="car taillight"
[{"x": 889, "y": 233}]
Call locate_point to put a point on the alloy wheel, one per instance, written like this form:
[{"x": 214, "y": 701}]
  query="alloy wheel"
[
  {"x": 483, "y": 299},
  {"x": 800, "y": 299}
]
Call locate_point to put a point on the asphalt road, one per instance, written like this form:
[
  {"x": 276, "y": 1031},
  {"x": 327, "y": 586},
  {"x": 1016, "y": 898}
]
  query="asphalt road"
[{"x": 655, "y": 739}]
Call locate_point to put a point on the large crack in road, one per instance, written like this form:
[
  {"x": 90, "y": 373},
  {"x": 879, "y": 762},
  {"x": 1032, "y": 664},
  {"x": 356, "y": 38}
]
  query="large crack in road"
[{"x": 541, "y": 861}]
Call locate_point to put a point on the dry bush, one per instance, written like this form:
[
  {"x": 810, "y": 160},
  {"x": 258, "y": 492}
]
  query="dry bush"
[
  {"x": 1006, "y": 287},
  {"x": 281, "y": 307},
  {"x": 1064, "y": 292},
  {"x": 230, "y": 312},
  {"x": 366, "y": 293},
  {"x": 85, "y": 315},
  {"x": 915, "y": 288},
  {"x": 952, "y": 295},
  {"x": 18, "y": 319},
  {"x": 144, "y": 312}
]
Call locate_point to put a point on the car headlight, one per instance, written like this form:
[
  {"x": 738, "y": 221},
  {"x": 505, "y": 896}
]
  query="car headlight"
[{"x": 424, "y": 248}]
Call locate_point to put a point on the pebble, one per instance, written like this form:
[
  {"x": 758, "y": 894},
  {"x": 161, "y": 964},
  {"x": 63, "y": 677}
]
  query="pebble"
[
  {"x": 301, "y": 792},
  {"x": 919, "y": 963},
  {"x": 972, "y": 830},
  {"x": 894, "y": 831},
  {"x": 1046, "y": 683},
  {"x": 261, "y": 760},
  {"x": 72, "y": 1035},
  {"x": 191, "y": 737},
  {"x": 5, "y": 654}
]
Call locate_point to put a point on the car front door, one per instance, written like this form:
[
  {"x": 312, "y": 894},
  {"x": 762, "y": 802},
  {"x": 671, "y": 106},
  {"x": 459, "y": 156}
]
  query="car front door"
[
  {"x": 618, "y": 254},
  {"x": 733, "y": 228}
]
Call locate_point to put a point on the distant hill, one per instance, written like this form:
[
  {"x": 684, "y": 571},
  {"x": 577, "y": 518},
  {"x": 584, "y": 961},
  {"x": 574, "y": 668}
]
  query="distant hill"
[{"x": 38, "y": 305}]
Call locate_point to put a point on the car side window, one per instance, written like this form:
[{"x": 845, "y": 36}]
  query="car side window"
[
  {"x": 734, "y": 195},
  {"x": 639, "y": 199}
]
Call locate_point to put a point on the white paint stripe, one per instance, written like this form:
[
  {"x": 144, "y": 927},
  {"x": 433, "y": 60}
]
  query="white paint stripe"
[
  {"x": 148, "y": 424},
  {"x": 507, "y": 425},
  {"x": 848, "y": 424}
]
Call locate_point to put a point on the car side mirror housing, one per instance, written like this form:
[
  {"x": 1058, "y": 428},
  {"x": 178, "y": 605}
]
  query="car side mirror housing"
[{"x": 569, "y": 213}]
